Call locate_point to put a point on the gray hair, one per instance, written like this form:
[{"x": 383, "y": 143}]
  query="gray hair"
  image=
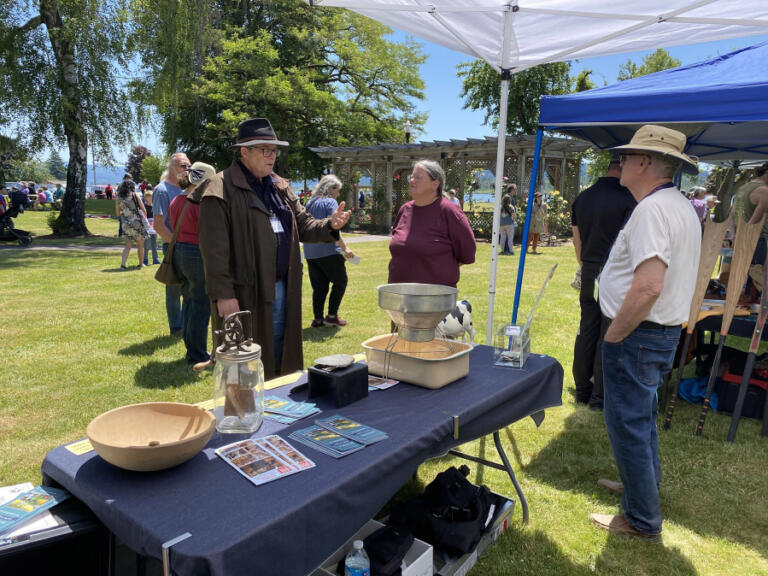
[
  {"x": 173, "y": 157},
  {"x": 665, "y": 166},
  {"x": 696, "y": 190},
  {"x": 323, "y": 188},
  {"x": 435, "y": 172}
]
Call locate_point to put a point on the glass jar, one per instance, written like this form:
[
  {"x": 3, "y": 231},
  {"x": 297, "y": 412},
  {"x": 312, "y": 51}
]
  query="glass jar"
[{"x": 238, "y": 384}]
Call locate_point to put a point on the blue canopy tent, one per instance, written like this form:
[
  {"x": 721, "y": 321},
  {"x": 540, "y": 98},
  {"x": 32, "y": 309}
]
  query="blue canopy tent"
[{"x": 720, "y": 104}]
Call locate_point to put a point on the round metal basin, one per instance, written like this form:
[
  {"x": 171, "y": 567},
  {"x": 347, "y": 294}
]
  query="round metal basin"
[{"x": 417, "y": 308}]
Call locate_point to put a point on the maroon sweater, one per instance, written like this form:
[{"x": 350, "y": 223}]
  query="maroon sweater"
[{"x": 429, "y": 242}]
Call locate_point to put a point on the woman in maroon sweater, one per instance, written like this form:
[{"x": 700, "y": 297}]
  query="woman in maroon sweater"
[{"x": 431, "y": 236}]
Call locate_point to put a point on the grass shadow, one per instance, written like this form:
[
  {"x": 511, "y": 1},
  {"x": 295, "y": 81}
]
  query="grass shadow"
[
  {"x": 162, "y": 375},
  {"x": 719, "y": 503},
  {"x": 523, "y": 551},
  {"x": 13, "y": 257},
  {"x": 319, "y": 334},
  {"x": 148, "y": 347}
]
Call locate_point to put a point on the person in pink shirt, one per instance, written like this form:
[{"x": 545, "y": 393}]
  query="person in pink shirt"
[{"x": 431, "y": 236}]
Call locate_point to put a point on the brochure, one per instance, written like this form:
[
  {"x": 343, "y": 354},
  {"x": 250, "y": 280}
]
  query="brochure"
[
  {"x": 326, "y": 441},
  {"x": 379, "y": 383},
  {"x": 351, "y": 429},
  {"x": 290, "y": 408},
  {"x": 255, "y": 462},
  {"x": 262, "y": 460},
  {"x": 26, "y": 506}
]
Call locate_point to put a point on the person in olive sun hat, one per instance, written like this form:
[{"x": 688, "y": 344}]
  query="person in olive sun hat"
[
  {"x": 646, "y": 289},
  {"x": 250, "y": 226}
]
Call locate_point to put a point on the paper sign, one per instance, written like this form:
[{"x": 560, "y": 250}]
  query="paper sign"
[{"x": 80, "y": 447}]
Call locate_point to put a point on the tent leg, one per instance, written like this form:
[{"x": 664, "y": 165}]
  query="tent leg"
[
  {"x": 500, "y": 150},
  {"x": 527, "y": 225}
]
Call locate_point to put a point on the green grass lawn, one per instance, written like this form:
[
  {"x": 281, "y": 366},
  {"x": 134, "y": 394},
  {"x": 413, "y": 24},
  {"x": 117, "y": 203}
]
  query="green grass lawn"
[{"x": 81, "y": 337}]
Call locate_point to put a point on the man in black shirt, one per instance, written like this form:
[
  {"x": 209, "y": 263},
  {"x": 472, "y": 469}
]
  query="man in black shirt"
[{"x": 597, "y": 215}]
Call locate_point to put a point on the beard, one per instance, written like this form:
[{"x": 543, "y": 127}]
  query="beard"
[{"x": 183, "y": 181}]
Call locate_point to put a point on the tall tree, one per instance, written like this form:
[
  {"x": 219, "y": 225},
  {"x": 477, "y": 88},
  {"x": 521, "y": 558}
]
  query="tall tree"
[
  {"x": 323, "y": 77},
  {"x": 62, "y": 79},
  {"x": 481, "y": 90},
  {"x": 32, "y": 170},
  {"x": 56, "y": 165},
  {"x": 135, "y": 160},
  {"x": 12, "y": 153},
  {"x": 656, "y": 61}
]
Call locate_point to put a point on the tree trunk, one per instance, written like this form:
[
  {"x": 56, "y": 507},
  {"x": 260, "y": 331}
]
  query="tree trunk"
[{"x": 71, "y": 220}]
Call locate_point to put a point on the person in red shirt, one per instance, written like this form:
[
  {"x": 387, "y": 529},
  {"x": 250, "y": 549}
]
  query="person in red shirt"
[
  {"x": 431, "y": 236},
  {"x": 188, "y": 264}
]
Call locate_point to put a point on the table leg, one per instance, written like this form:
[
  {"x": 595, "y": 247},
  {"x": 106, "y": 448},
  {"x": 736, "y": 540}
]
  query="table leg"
[
  {"x": 506, "y": 466},
  {"x": 167, "y": 551}
]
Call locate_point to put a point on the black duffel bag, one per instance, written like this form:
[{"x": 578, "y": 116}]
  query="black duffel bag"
[{"x": 452, "y": 514}]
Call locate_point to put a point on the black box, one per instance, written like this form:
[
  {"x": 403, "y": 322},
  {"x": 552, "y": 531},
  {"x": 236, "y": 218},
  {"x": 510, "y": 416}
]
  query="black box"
[
  {"x": 78, "y": 545},
  {"x": 348, "y": 384}
]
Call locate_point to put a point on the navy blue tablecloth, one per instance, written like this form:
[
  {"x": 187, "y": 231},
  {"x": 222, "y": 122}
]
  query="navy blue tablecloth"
[
  {"x": 291, "y": 525},
  {"x": 743, "y": 326}
]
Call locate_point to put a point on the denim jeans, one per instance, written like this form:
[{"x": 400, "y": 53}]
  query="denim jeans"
[
  {"x": 151, "y": 244},
  {"x": 278, "y": 321},
  {"x": 633, "y": 369},
  {"x": 172, "y": 303},
  {"x": 196, "y": 310}
]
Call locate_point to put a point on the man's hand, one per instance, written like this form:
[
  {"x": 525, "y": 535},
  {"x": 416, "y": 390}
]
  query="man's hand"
[
  {"x": 348, "y": 254},
  {"x": 227, "y": 306},
  {"x": 340, "y": 217}
]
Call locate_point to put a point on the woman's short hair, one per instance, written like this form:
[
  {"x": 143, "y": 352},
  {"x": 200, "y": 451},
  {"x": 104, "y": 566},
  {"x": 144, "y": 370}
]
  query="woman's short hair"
[
  {"x": 435, "y": 172},
  {"x": 323, "y": 188}
]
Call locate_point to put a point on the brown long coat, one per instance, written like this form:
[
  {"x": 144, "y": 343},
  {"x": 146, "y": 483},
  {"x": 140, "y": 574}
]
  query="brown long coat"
[{"x": 239, "y": 255}]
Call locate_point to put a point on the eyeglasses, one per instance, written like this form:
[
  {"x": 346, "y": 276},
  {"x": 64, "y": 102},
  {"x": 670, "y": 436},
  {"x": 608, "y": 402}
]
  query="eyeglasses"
[
  {"x": 417, "y": 178},
  {"x": 267, "y": 152},
  {"x": 623, "y": 156},
  {"x": 183, "y": 167}
]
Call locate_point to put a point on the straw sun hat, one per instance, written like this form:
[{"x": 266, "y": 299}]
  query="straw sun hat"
[{"x": 664, "y": 141}]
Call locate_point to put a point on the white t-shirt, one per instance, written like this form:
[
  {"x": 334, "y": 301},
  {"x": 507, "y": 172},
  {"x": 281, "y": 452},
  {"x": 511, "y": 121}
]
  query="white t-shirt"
[{"x": 663, "y": 225}]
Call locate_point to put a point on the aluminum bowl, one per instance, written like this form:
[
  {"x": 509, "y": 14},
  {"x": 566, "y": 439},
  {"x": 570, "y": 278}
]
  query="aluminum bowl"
[
  {"x": 417, "y": 309},
  {"x": 151, "y": 436}
]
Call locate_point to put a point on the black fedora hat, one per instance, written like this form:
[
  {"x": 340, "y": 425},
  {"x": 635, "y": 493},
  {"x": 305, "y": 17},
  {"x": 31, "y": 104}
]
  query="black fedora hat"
[{"x": 256, "y": 131}]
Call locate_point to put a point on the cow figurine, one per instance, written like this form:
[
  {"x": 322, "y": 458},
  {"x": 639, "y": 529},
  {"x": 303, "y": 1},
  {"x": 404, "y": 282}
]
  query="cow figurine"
[{"x": 458, "y": 323}]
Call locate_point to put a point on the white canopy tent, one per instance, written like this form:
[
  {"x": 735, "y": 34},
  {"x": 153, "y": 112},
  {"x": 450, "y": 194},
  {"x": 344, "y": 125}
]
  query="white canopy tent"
[{"x": 512, "y": 36}]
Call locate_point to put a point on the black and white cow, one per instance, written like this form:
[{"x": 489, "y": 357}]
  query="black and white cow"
[{"x": 458, "y": 323}]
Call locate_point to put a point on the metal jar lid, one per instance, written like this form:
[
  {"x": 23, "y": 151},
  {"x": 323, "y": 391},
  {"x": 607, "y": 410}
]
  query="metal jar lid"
[
  {"x": 245, "y": 352},
  {"x": 235, "y": 346}
]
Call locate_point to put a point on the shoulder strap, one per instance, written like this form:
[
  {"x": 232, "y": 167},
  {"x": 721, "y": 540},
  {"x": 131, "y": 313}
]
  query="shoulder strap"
[{"x": 175, "y": 224}]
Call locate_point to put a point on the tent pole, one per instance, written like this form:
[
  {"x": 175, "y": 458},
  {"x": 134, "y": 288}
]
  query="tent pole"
[
  {"x": 501, "y": 147},
  {"x": 527, "y": 225}
]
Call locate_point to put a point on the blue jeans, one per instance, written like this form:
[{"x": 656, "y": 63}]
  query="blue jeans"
[
  {"x": 196, "y": 311},
  {"x": 151, "y": 244},
  {"x": 633, "y": 369},
  {"x": 278, "y": 321},
  {"x": 172, "y": 303}
]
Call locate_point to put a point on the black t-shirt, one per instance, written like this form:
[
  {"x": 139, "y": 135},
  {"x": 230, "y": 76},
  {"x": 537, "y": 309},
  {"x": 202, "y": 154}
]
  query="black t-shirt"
[{"x": 599, "y": 212}]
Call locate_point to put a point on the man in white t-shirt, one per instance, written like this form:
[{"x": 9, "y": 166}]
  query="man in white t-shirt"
[{"x": 646, "y": 289}]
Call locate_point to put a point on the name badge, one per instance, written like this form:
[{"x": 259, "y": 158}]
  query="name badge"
[{"x": 277, "y": 226}]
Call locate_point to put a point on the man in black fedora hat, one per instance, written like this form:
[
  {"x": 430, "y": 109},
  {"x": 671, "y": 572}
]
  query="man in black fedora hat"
[{"x": 250, "y": 226}]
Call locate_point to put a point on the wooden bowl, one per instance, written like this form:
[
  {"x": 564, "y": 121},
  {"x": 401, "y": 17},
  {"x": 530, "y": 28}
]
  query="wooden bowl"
[{"x": 151, "y": 436}]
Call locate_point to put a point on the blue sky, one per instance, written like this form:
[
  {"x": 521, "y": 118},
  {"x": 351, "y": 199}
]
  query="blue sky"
[
  {"x": 448, "y": 119},
  {"x": 443, "y": 102}
]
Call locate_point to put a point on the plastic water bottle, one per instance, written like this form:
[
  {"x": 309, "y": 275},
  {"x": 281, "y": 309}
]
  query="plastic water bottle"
[{"x": 357, "y": 563}]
